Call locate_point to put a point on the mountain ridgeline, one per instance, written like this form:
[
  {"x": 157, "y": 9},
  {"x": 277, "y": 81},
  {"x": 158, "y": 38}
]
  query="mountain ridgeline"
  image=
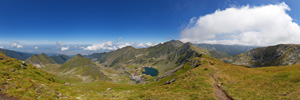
[
  {"x": 230, "y": 50},
  {"x": 17, "y": 55},
  {"x": 163, "y": 57},
  {"x": 95, "y": 56},
  {"x": 197, "y": 77},
  {"x": 82, "y": 68},
  {"x": 60, "y": 59},
  {"x": 41, "y": 60},
  {"x": 278, "y": 55}
]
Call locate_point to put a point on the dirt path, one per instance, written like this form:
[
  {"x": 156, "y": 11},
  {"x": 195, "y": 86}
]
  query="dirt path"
[{"x": 220, "y": 93}]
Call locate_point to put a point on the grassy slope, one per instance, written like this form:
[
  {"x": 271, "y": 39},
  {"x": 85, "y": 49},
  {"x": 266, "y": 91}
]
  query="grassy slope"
[
  {"x": 263, "y": 83},
  {"x": 42, "y": 60},
  {"x": 28, "y": 83},
  {"x": 34, "y": 83},
  {"x": 281, "y": 82},
  {"x": 192, "y": 82},
  {"x": 81, "y": 69},
  {"x": 240, "y": 82}
]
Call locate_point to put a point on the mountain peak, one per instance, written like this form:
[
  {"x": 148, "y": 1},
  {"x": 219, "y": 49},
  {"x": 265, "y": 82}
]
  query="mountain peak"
[
  {"x": 41, "y": 60},
  {"x": 175, "y": 43},
  {"x": 78, "y": 55},
  {"x": 84, "y": 67},
  {"x": 43, "y": 54},
  {"x": 128, "y": 47},
  {"x": 60, "y": 59}
]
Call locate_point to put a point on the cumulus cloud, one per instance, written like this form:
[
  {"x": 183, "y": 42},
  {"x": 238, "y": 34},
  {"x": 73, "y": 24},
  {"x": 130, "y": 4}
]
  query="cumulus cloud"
[
  {"x": 109, "y": 45},
  {"x": 256, "y": 25},
  {"x": 36, "y": 47},
  {"x": 1, "y": 47},
  {"x": 62, "y": 47},
  {"x": 16, "y": 44},
  {"x": 105, "y": 45},
  {"x": 65, "y": 48},
  {"x": 142, "y": 45},
  {"x": 126, "y": 44}
]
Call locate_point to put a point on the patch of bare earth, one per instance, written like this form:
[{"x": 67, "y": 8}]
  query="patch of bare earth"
[{"x": 6, "y": 97}]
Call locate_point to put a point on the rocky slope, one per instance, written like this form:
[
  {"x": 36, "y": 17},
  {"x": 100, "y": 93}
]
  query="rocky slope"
[{"x": 278, "y": 55}]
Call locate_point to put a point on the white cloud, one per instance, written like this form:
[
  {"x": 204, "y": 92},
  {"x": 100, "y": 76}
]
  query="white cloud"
[
  {"x": 125, "y": 44},
  {"x": 109, "y": 45},
  {"x": 105, "y": 45},
  {"x": 143, "y": 45},
  {"x": 65, "y": 48},
  {"x": 1, "y": 47},
  {"x": 61, "y": 45},
  {"x": 36, "y": 47},
  {"x": 16, "y": 44},
  {"x": 258, "y": 25}
]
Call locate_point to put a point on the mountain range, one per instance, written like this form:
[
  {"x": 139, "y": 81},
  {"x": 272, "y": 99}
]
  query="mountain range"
[
  {"x": 186, "y": 71},
  {"x": 17, "y": 55},
  {"x": 164, "y": 57},
  {"x": 278, "y": 55},
  {"x": 230, "y": 50},
  {"x": 200, "y": 77}
]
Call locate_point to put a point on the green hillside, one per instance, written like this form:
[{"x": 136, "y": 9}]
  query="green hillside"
[
  {"x": 41, "y": 60},
  {"x": 200, "y": 78},
  {"x": 26, "y": 81},
  {"x": 81, "y": 69}
]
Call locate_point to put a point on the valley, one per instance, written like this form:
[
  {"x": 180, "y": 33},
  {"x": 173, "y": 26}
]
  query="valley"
[
  {"x": 199, "y": 77},
  {"x": 149, "y": 50}
]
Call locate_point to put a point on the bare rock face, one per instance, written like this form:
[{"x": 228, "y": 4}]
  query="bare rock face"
[{"x": 278, "y": 55}]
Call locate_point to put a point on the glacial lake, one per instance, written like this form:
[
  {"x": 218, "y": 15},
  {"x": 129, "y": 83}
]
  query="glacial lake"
[{"x": 150, "y": 71}]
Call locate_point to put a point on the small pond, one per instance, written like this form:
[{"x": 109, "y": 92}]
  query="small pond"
[{"x": 150, "y": 71}]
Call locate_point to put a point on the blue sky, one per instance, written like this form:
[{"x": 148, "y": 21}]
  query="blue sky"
[{"x": 94, "y": 21}]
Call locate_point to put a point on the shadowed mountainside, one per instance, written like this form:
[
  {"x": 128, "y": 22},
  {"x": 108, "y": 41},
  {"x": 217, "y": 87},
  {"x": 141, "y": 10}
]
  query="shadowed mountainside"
[
  {"x": 60, "y": 59},
  {"x": 15, "y": 54}
]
